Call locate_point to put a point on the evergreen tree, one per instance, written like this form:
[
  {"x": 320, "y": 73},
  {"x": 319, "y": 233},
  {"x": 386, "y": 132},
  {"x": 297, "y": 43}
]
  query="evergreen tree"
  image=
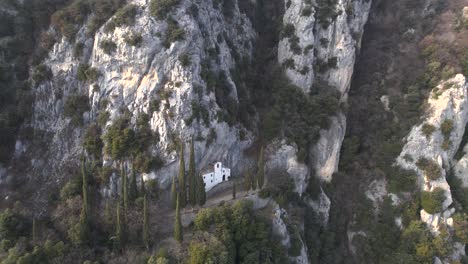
[
  {"x": 201, "y": 190},
  {"x": 178, "y": 224},
  {"x": 33, "y": 233},
  {"x": 107, "y": 213},
  {"x": 191, "y": 176},
  {"x": 182, "y": 186},
  {"x": 174, "y": 193},
  {"x": 124, "y": 193},
  {"x": 247, "y": 181},
  {"x": 261, "y": 169},
  {"x": 143, "y": 189},
  {"x": 119, "y": 236},
  {"x": 84, "y": 186},
  {"x": 233, "y": 190},
  {"x": 253, "y": 181},
  {"x": 82, "y": 228},
  {"x": 133, "y": 190},
  {"x": 146, "y": 238}
]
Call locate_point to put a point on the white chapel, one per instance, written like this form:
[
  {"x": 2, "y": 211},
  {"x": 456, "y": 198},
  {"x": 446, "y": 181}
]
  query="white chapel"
[{"x": 218, "y": 175}]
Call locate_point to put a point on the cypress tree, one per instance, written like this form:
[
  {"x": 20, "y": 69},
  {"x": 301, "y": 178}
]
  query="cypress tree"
[
  {"x": 201, "y": 190},
  {"x": 253, "y": 181},
  {"x": 143, "y": 189},
  {"x": 33, "y": 233},
  {"x": 191, "y": 176},
  {"x": 247, "y": 181},
  {"x": 178, "y": 224},
  {"x": 182, "y": 187},
  {"x": 233, "y": 190},
  {"x": 83, "y": 223},
  {"x": 118, "y": 228},
  {"x": 174, "y": 193},
  {"x": 84, "y": 186},
  {"x": 124, "y": 193},
  {"x": 146, "y": 238},
  {"x": 261, "y": 169},
  {"x": 133, "y": 190},
  {"x": 107, "y": 214}
]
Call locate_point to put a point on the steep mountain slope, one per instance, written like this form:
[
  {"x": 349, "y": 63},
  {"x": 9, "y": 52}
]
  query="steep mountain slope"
[{"x": 121, "y": 89}]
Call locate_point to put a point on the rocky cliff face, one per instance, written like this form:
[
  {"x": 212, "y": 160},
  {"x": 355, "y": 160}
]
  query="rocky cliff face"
[
  {"x": 447, "y": 114},
  {"x": 330, "y": 44}
]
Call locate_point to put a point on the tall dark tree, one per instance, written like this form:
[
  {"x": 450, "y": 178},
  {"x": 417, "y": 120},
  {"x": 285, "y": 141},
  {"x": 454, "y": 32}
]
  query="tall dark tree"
[
  {"x": 119, "y": 229},
  {"x": 261, "y": 169},
  {"x": 253, "y": 181},
  {"x": 146, "y": 237},
  {"x": 143, "y": 189},
  {"x": 133, "y": 190},
  {"x": 201, "y": 193},
  {"x": 107, "y": 213},
  {"x": 192, "y": 176},
  {"x": 233, "y": 190},
  {"x": 178, "y": 235},
  {"x": 247, "y": 181},
  {"x": 84, "y": 215},
  {"x": 124, "y": 193},
  {"x": 174, "y": 193},
  {"x": 182, "y": 186},
  {"x": 33, "y": 233}
]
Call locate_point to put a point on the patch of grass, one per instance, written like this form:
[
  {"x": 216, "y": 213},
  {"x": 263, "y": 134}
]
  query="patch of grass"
[
  {"x": 427, "y": 129},
  {"x": 174, "y": 33}
]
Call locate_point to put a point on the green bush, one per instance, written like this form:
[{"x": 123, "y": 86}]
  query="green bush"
[
  {"x": 134, "y": 39},
  {"x": 247, "y": 236},
  {"x": 307, "y": 11},
  {"x": 71, "y": 188},
  {"x": 446, "y": 128},
  {"x": 92, "y": 142},
  {"x": 42, "y": 73},
  {"x": 402, "y": 180},
  {"x": 125, "y": 16},
  {"x": 75, "y": 107},
  {"x": 430, "y": 168},
  {"x": 161, "y": 8},
  {"x": 173, "y": 33},
  {"x": 185, "y": 60},
  {"x": 288, "y": 31},
  {"x": 460, "y": 226},
  {"x": 87, "y": 73},
  {"x": 108, "y": 46},
  {"x": 427, "y": 129},
  {"x": 432, "y": 202}
]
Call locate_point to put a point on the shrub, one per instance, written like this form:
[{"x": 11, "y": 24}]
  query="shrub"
[
  {"x": 427, "y": 129},
  {"x": 430, "y": 168},
  {"x": 71, "y": 188},
  {"x": 87, "y": 73},
  {"x": 92, "y": 142},
  {"x": 108, "y": 46},
  {"x": 402, "y": 180},
  {"x": 289, "y": 64},
  {"x": 75, "y": 107},
  {"x": 173, "y": 32},
  {"x": 133, "y": 39},
  {"x": 125, "y": 16},
  {"x": 42, "y": 73},
  {"x": 460, "y": 225},
  {"x": 185, "y": 60},
  {"x": 78, "y": 50},
  {"x": 432, "y": 202},
  {"x": 160, "y": 8},
  {"x": 288, "y": 31},
  {"x": 307, "y": 11},
  {"x": 446, "y": 127}
]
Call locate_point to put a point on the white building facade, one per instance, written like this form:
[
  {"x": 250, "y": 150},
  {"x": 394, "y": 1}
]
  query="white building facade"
[{"x": 218, "y": 175}]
